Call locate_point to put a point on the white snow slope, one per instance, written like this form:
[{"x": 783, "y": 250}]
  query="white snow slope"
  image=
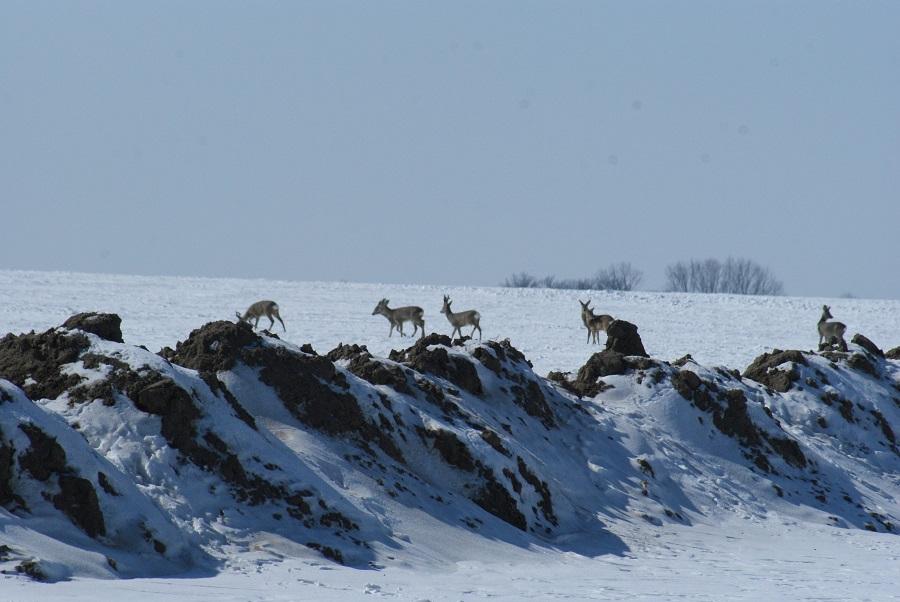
[{"x": 434, "y": 484}]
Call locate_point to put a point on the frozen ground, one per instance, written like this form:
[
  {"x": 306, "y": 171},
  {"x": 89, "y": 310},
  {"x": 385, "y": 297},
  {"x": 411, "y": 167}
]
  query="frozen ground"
[
  {"x": 739, "y": 545},
  {"x": 544, "y": 324},
  {"x": 739, "y": 560}
]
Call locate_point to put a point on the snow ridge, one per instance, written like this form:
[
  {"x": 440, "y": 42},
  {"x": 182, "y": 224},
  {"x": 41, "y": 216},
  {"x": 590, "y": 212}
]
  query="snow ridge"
[{"x": 118, "y": 462}]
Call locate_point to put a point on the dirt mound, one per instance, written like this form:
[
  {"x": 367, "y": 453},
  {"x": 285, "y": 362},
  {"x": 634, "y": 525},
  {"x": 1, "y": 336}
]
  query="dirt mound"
[
  {"x": 865, "y": 343},
  {"x": 587, "y": 383},
  {"x": 316, "y": 394},
  {"x": 105, "y": 326},
  {"x": 365, "y": 366},
  {"x": 346, "y": 352},
  {"x": 764, "y": 369},
  {"x": 622, "y": 337},
  {"x": 730, "y": 416},
  {"x": 213, "y": 347},
  {"x": 32, "y": 361},
  {"x": 439, "y": 362}
]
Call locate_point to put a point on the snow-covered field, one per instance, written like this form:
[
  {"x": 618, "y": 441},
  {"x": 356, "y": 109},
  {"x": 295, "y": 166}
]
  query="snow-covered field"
[
  {"x": 738, "y": 540},
  {"x": 544, "y": 324},
  {"x": 709, "y": 563}
]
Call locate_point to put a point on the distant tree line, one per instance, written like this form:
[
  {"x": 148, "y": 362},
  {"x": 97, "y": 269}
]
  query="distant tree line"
[
  {"x": 617, "y": 277},
  {"x": 734, "y": 276}
]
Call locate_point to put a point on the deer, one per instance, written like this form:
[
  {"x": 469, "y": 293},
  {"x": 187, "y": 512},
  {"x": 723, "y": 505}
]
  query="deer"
[
  {"x": 259, "y": 309},
  {"x": 400, "y": 315},
  {"x": 593, "y": 323},
  {"x": 831, "y": 332},
  {"x": 463, "y": 318}
]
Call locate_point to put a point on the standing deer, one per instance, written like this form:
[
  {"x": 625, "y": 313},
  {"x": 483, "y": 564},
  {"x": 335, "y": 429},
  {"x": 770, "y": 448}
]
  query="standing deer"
[
  {"x": 831, "y": 331},
  {"x": 259, "y": 309},
  {"x": 463, "y": 318},
  {"x": 400, "y": 315},
  {"x": 593, "y": 323}
]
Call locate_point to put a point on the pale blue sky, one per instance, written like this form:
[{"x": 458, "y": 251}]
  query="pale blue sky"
[{"x": 452, "y": 142}]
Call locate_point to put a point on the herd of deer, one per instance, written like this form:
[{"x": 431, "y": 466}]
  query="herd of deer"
[{"x": 830, "y": 333}]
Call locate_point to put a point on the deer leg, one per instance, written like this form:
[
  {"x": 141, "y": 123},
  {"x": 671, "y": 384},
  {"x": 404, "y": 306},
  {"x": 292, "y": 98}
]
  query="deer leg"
[
  {"x": 391, "y": 331},
  {"x": 415, "y": 329},
  {"x": 271, "y": 322},
  {"x": 256, "y": 323},
  {"x": 282, "y": 323}
]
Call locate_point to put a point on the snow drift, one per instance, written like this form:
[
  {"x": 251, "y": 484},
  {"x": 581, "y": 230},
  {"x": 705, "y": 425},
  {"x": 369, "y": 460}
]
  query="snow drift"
[{"x": 118, "y": 462}]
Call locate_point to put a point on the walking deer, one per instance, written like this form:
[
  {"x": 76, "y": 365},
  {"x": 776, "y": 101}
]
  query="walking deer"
[
  {"x": 400, "y": 315},
  {"x": 593, "y": 323},
  {"x": 463, "y": 318},
  {"x": 259, "y": 309},
  {"x": 831, "y": 332}
]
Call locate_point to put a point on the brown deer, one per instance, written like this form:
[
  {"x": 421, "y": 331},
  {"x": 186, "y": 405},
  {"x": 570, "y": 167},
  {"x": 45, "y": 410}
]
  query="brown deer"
[
  {"x": 594, "y": 323},
  {"x": 463, "y": 318},
  {"x": 831, "y": 332},
  {"x": 259, "y": 309},
  {"x": 400, "y": 315}
]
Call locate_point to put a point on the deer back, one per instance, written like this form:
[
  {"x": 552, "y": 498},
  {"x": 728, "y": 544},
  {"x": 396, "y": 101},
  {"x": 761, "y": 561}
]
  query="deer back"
[
  {"x": 408, "y": 313},
  {"x": 260, "y": 308}
]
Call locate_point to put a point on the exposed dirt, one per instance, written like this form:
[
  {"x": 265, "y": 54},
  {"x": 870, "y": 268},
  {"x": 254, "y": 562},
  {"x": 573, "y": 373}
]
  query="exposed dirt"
[
  {"x": 529, "y": 396},
  {"x": 314, "y": 391},
  {"x": 540, "y": 487},
  {"x": 858, "y": 361},
  {"x": 77, "y": 497},
  {"x": 105, "y": 326},
  {"x": 437, "y": 361},
  {"x": 39, "y": 357},
  {"x": 587, "y": 383},
  {"x": 212, "y": 347},
  {"x": 623, "y": 337},
  {"x": 764, "y": 369},
  {"x": 494, "y": 498},
  {"x": 865, "y": 343}
]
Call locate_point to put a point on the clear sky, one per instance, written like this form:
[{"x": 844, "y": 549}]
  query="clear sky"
[{"x": 452, "y": 142}]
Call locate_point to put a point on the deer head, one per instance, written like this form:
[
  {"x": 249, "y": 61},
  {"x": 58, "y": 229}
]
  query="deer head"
[{"x": 381, "y": 307}]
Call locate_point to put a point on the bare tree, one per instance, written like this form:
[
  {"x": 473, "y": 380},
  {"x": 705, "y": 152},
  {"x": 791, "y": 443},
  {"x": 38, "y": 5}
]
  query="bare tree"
[
  {"x": 620, "y": 276},
  {"x": 744, "y": 277},
  {"x": 521, "y": 280},
  {"x": 705, "y": 275},
  {"x": 736, "y": 276},
  {"x": 678, "y": 277},
  {"x": 617, "y": 277}
]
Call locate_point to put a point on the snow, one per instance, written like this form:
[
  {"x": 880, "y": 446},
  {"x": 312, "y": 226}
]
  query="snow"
[
  {"x": 544, "y": 324},
  {"x": 737, "y": 539},
  {"x": 734, "y": 560}
]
